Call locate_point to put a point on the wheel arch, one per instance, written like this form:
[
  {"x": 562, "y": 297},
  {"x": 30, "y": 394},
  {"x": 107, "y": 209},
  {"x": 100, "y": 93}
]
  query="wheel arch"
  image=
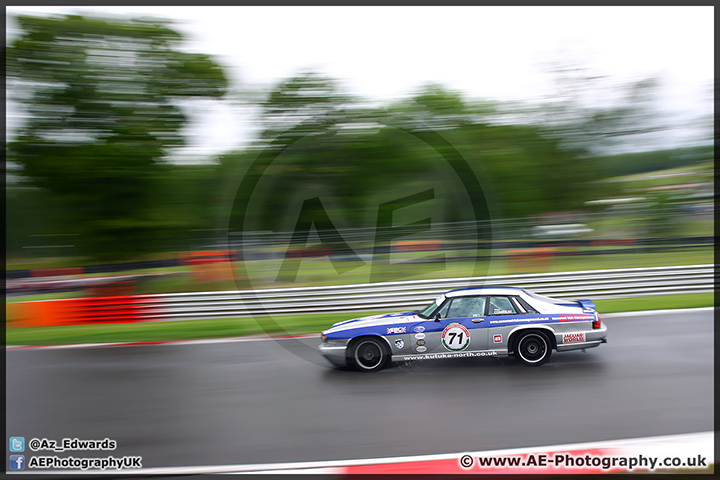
[
  {"x": 351, "y": 343},
  {"x": 517, "y": 332}
]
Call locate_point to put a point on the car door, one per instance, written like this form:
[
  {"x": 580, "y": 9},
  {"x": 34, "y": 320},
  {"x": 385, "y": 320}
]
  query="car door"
[
  {"x": 459, "y": 327},
  {"x": 504, "y": 314}
]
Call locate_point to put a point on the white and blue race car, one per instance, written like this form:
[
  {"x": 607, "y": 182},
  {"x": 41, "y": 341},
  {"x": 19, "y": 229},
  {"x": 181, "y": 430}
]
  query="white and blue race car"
[{"x": 471, "y": 322}]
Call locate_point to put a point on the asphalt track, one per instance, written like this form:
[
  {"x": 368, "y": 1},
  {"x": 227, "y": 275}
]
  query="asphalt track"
[{"x": 277, "y": 401}]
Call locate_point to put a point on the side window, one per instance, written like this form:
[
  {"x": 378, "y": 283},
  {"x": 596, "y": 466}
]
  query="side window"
[
  {"x": 518, "y": 306},
  {"x": 500, "y": 306},
  {"x": 525, "y": 306},
  {"x": 463, "y": 307}
]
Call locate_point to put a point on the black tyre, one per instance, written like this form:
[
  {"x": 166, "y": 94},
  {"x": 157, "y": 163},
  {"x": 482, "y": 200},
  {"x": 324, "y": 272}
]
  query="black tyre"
[
  {"x": 533, "y": 349},
  {"x": 368, "y": 354}
]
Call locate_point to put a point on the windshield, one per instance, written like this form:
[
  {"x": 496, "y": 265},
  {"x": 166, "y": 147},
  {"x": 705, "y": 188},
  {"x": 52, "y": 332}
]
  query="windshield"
[{"x": 427, "y": 311}]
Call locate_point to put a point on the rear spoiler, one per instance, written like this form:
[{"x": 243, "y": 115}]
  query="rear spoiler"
[{"x": 588, "y": 306}]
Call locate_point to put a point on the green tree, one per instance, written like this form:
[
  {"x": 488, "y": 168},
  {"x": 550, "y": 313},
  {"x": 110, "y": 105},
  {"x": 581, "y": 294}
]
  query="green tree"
[
  {"x": 306, "y": 104},
  {"x": 522, "y": 168},
  {"x": 438, "y": 108},
  {"x": 357, "y": 153},
  {"x": 104, "y": 104}
]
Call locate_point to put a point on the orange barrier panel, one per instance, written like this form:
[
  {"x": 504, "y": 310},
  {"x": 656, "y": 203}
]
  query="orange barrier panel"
[
  {"x": 531, "y": 258},
  {"x": 37, "y": 314},
  {"x": 81, "y": 311},
  {"x": 15, "y": 314},
  {"x": 213, "y": 272}
]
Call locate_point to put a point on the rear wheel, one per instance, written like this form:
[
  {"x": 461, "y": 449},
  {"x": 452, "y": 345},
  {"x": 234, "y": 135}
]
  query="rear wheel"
[
  {"x": 368, "y": 354},
  {"x": 533, "y": 349}
]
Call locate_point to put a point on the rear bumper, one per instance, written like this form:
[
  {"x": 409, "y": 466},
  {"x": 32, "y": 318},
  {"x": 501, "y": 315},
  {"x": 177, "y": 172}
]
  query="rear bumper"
[
  {"x": 334, "y": 354},
  {"x": 564, "y": 347},
  {"x": 593, "y": 338}
]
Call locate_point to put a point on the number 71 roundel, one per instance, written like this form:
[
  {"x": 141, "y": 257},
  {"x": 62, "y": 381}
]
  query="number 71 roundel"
[{"x": 455, "y": 337}]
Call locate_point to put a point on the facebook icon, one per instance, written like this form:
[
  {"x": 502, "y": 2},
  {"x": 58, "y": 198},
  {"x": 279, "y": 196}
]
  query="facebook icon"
[{"x": 17, "y": 462}]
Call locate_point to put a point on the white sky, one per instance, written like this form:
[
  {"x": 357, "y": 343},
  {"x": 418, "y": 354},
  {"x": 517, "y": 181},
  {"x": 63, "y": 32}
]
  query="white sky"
[{"x": 383, "y": 53}]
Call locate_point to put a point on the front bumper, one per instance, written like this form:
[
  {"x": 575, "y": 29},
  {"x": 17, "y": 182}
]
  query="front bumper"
[{"x": 334, "y": 354}]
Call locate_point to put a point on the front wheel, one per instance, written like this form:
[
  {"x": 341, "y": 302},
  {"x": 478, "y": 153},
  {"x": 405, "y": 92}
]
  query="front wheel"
[
  {"x": 368, "y": 355},
  {"x": 533, "y": 349}
]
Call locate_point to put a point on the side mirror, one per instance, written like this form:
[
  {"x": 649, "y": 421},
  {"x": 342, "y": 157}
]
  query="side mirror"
[{"x": 437, "y": 317}]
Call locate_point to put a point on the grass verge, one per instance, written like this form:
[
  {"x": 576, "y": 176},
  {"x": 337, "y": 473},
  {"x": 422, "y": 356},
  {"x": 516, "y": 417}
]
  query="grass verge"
[{"x": 281, "y": 325}]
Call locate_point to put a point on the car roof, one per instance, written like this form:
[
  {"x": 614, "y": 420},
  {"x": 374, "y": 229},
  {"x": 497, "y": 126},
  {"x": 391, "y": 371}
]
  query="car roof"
[{"x": 486, "y": 290}]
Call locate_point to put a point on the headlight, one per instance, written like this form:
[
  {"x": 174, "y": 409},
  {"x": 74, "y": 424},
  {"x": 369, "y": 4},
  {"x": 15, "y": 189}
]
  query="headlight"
[{"x": 324, "y": 338}]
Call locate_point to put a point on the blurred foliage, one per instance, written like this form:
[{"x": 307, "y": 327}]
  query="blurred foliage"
[
  {"x": 30, "y": 216},
  {"x": 104, "y": 111},
  {"x": 103, "y": 104},
  {"x": 356, "y": 152},
  {"x": 661, "y": 217},
  {"x": 644, "y": 162},
  {"x": 307, "y": 104}
]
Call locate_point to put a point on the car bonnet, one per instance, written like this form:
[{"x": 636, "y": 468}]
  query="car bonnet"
[{"x": 375, "y": 320}]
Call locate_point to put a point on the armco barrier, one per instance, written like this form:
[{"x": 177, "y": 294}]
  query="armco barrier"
[
  {"x": 595, "y": 284},
  {"x": 618, "y": 283}
]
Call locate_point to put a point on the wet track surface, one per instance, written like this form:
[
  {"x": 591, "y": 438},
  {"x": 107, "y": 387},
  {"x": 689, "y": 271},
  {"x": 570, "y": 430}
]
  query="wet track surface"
[{"x": 278, "y": 401}]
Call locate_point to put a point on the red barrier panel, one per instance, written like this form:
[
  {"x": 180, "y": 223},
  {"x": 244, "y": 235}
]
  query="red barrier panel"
[
  {"x": 114, "y": 288},
  {"x": 203, "y": 261},
  {"x": 116, "y": 309},
  {"x": 613, "y": 242},
  {"x": 56, "y": 272}
]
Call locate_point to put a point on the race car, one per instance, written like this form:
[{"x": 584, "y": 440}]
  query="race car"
[{"x": 470, "y": 322}]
